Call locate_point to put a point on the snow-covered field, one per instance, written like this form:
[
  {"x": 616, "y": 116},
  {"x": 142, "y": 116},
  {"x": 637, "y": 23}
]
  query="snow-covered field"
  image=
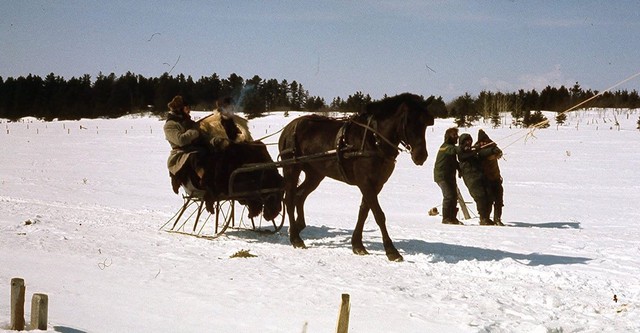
[{"x": 81, "y": 204}]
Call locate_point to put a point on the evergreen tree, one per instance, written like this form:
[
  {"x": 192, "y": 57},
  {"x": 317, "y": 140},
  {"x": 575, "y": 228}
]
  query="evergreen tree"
[
  {"x": 51, "y": 103},
  {"x": 9, "y": 110},
  {"x": 252, "y": 98},
  {"x": 232, "y": 86},
  {"x": 337, "y": 103},
  {"x": 463, "y": 110},
  {"x": 314, "y": 103},
  {"x": 295, "y": 99},
  {"x": 495, "y": 119},
  {"x": 207, "y": 91},
  {"x": 282, "y": 99},
  {"x": 437, "y": 108},
  {"x": 561, "y": 118},
  {"x": 356, "y": 102},
  {"x": 537, "y": 119}
]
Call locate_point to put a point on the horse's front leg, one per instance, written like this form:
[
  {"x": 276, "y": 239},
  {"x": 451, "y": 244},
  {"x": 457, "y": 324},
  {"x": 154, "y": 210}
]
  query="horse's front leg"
[
  {"x": 356, "y": 238},
  {"x": 371, "y": 197}
]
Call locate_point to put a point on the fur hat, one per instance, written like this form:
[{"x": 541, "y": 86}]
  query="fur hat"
[
  {"x": 483, "y": 137},
  {"x": 176, "y": 103}
]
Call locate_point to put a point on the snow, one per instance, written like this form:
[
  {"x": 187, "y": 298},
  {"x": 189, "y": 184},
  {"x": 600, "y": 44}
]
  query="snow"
[{"x": 82, "y": 202}]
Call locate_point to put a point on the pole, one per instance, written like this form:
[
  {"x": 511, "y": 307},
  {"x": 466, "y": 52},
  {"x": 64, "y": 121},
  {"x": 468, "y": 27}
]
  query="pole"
[{"x": 463, "y": 205}]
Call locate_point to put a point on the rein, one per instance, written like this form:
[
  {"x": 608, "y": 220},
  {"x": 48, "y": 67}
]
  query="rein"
[
  {"x": 270, "y": 135},
  {"x": 407, "y": 148}
]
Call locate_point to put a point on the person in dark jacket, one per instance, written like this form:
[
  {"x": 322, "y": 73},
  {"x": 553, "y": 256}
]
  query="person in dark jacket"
[
  {"x": 183, "y": 133},
  {"x": 489, "y": 153},
  {"x": 444, "y": 174},
  {"x": 471, "y": 170}
]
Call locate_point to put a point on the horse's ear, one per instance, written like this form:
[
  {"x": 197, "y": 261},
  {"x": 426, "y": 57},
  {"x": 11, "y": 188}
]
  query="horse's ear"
[{"x": 430, "y": 99}]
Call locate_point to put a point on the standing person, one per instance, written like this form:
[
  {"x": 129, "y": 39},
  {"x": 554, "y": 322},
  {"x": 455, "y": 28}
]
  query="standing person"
[
  {"x": 444, "y": 174},
  {"x": 182, "y": 133},
  {"x": 473, "y": 177},
  {"x": 489, "y": 153}
]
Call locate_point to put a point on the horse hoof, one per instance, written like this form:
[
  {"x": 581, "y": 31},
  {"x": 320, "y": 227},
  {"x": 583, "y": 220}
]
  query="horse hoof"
[
  {"x": 395, "y": 257},
  {"x": 361, "y": 252},
  {"x": 298, "y": 244}
]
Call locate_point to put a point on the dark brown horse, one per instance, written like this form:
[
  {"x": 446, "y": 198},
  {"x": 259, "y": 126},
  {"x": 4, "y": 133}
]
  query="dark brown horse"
[{"x": 359, "y": 151}]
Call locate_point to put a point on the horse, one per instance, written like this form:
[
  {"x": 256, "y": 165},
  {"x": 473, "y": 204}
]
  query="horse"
[{"x": 359, "y": 151}]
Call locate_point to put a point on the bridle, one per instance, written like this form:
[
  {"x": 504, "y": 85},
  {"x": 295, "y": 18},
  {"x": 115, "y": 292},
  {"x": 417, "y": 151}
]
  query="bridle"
[{"x": 379, "y": 136}]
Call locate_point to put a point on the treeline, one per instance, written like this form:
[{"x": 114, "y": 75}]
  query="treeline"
[
  {"x": 526, "y": 106},
  {"x": 109, "y": 96}
]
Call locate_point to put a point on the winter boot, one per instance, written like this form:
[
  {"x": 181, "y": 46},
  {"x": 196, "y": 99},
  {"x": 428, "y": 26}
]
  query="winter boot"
[
  {"x": 486, "y": 221},
  {"x": 497, "y": 214},
  {"x": 452, "y": 221},
  {"x": 175, "y": 183},
  {"x": 449, "y": 216}
]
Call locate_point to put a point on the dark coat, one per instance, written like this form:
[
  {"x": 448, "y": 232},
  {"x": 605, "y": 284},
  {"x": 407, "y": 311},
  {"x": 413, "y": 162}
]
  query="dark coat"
[
  {"x": 471, "y": 169},
  {"x": 489, "y": 155},
  {"x": 446, "y": 164},
  {"x": 181, "y": 132}
]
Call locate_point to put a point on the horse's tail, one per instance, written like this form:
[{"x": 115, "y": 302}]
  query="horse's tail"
[{"x": 287, "y": 144}]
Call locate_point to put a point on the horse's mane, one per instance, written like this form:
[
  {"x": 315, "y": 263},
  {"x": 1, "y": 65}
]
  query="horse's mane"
[{"x": 387, "y": 106}]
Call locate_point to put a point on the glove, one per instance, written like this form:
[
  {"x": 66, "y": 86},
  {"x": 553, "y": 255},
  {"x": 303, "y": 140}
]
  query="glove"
[
  {"x": 193, "y": 133},
  {"x": 220, "y": 144}
]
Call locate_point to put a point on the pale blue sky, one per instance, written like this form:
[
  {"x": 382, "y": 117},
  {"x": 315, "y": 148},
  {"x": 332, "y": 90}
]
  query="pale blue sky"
[{"x": 334, "y": 48}]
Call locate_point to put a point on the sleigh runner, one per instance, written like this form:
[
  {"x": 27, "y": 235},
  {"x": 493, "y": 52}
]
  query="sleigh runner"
[{"x": 205, "y": 215}]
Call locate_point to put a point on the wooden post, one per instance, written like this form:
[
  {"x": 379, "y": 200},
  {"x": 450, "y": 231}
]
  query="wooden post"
[
  {"x": 463, "y": 205},
  {"x": 343, "y": 316},
  {"x": 39, "y": 311},
  {"x": 17, "y": 304}
]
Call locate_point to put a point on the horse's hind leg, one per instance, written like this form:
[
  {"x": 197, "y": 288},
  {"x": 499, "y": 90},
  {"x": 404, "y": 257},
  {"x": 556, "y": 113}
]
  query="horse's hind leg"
[
  {"x": 310, "y": 183},
  {"x": 291, "y": 175},
  {"x": 299, "y": 195}
]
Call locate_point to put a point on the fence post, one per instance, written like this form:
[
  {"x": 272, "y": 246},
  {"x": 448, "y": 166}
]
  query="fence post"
[
  {"x": 17, "y": 304},
  {"x": 39, "y": 311},
  {"x": 343, "y": 316}
]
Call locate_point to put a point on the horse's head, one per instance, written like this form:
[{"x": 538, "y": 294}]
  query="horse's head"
[{"x": 415, "y": 119}]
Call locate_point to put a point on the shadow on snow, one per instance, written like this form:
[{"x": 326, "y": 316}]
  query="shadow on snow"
[
  {"x": 452, "y": 253},
  {"x": 329, "y": 237},
  {"x": 547, "y": 225},
  {"x": 66, "y": 329}
]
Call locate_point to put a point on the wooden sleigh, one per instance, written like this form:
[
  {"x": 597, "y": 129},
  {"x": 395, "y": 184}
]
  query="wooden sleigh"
[{"x": 193, "y": 219}]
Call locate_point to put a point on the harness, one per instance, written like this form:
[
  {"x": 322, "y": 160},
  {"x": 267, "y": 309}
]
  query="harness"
[{"x": 344, "y": 150}]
